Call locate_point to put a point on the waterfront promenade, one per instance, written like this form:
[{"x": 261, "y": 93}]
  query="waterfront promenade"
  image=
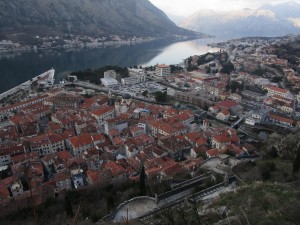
[{"x": 47, "y": 77}]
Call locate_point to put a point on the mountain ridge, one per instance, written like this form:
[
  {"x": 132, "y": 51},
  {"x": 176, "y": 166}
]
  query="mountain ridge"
[
  {"x": 265, "y": 21},
  {"x": 85, "y": 17}
]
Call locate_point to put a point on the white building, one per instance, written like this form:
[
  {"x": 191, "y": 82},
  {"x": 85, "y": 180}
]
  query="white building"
[
  {"x": 5, "y": 159},
  {"x": 62, "y": 181},
  {"x": 135, "y": 76},
  {"x": 46, "y": 144},
  {"x": 272, "y": 91},
  {"x": 162, "y": 70},
  {"x": 109, "y": 82},
  {"x": 16, "y": 188},
  {"x": 103, "y": 113},
  {"x": 110, "y": 74},
  {"x": 79, "y": 144}
]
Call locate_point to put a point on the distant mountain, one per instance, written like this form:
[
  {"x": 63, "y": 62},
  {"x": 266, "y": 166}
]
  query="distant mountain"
[
  {"x": 284, "y": 10},
  {"x": 176, "y": 19},
  {"x": 85, "y": 17},
  {"x": 267, "y": 21}
]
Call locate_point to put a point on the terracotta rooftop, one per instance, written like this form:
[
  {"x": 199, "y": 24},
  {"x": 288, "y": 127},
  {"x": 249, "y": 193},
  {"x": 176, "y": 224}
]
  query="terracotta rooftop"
[
  {"x": 277, "y": 89},
  {"x": 81, "y": 140},
  {"x": 222, "y": 138},
  {"x": 212, "y": 152},
  {"x": 227, "y": 104},
  {"x": 102, "y": 110},
  {"x": 281, "y": 119}
]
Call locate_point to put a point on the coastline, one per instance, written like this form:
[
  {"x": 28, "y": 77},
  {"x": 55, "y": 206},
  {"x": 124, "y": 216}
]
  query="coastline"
[
  {"x": 47, "y": 78},
  {"x": 74, "y": 44}
]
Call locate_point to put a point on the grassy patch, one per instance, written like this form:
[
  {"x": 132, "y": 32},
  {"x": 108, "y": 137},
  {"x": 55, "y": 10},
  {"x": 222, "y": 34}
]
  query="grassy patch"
[{"x": 264, "y": 203}]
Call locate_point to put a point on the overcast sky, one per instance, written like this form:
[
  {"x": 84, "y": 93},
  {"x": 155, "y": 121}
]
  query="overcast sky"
[{"x": 187, "y": 7}]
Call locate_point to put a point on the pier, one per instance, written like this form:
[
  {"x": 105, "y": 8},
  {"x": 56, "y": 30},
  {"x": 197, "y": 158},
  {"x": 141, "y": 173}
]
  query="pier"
[{"x": 47, "y": 78}]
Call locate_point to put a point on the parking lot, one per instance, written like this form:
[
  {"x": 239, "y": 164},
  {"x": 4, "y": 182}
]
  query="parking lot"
[{"x": 136, "y": 90}]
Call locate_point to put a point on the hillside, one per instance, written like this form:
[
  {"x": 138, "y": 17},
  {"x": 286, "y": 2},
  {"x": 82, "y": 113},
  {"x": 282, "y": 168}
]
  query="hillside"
[
  {"x": 260, "y": 203},
  {"x": 267, "y": 21},
  {"x": 27, "y": 18}
]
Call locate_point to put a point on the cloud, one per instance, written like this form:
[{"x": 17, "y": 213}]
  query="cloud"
[{"x": 187, "y": 7}]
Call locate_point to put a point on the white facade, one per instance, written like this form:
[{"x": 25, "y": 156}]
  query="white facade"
[
  {"x": 223, "y": 116},
  {"x": 162, "y": 70},
  {"x": 133, "y": 79},
  {"x": 16, "y": 188},
  {"x": 109, "y": 82},
  {"x": 110, "y": 74},
  {"x": 250, "y": 121},
  {"x": 5, "y": 160},
  {"x": 43, "y": 145}
]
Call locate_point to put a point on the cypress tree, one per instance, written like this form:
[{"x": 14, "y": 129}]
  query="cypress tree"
[
  {"x": 142, "y": 181},
  {"x": 68, "y": 207},
  {"x": 296, "y": 163}
]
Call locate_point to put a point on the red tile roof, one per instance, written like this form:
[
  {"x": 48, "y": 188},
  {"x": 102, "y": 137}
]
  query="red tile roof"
[
  {"x": 64, "y": 155},
  {"x": 6, "y": 182},
  {"x": 212, "y": 152},
  {"x": 115, "y": 168},
  {"x": 277, "y": 89},
  {"x": 102, "y": 110},
  {"x": 201, "y": 141},
  {"x": 54, "y": 126},
  {"x": 222, "y": 138},
  {"x": 172, "y": 170},
  {"x": 30, "y": 101},
  {"x": 22, "y": 157},
  {"x": 62, "y": 176},
  {"x": 4, "y": 193},
  {"x": 12, "y": 150},
  {"x": 227, "y": 104},
  {"x": 81, "y": 140},
  {"x": 117, "y": 141},
  {"x": 98, "y": 137},
  {"x": 192, "y": 136},
  {"x": 225, "y": 112},
  {"x": 93, "y": 176},
  {"x": 281, "y": 119}
]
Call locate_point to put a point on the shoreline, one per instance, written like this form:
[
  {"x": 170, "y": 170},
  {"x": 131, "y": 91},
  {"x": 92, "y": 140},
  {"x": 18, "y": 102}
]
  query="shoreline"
[
  {"x": 27, "y": 84},
  {"x": 99, "y": 45}
]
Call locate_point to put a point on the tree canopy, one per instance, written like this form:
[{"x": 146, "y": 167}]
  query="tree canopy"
[
  {"x": 95, "y": 75},
  {"x": 161, "y": 96}
]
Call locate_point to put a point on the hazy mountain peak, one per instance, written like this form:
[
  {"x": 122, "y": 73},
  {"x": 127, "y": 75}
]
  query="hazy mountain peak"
[
  {"x": 251, "y": 12},
  {"x": 266, "y": 21}
]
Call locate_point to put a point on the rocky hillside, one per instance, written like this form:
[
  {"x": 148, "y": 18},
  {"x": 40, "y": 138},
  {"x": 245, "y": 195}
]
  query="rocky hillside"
[
  {"x": 267, "y": 21},
  {"x": 84, "y": 17}
]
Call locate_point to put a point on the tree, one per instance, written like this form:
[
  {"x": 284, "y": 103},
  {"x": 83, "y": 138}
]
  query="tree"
[
  {"x": 142, "y": 181},
  {"x": 161, "y": 96},
  {"x": 296, "y": 163},
  {"x": 145, "y": 93},
  {"x": 227, "y": 67},
  {"x": 68, "y": 207},
  {"x": 176, "y": 69},
  {"x": 234, "y": 85},
  {"x": 266, "y": 168}
]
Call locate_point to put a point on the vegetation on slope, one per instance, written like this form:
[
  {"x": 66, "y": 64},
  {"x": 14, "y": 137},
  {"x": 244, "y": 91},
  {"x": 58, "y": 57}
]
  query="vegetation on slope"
[{"x": 263, "y": 203}]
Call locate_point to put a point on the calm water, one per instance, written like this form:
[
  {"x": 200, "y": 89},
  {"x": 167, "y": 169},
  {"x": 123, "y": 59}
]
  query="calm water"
[{"x": 18, "y": 68}]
